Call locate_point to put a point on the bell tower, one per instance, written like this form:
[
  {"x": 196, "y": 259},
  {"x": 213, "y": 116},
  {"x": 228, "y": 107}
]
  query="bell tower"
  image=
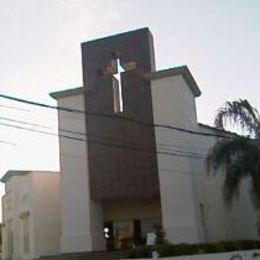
[{"x": 122, "y": 160}]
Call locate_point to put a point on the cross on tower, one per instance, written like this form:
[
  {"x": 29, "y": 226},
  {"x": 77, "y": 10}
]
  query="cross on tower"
[{"x": 118, "y": 93}]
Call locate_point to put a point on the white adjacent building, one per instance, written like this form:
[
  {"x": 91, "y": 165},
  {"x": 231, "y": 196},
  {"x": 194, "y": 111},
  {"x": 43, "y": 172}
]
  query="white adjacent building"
[{"x": 31, "y": 214}]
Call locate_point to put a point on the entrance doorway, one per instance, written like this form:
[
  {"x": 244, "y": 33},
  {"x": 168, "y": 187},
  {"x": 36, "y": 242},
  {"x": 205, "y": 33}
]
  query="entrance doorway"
[{"x": 125, "y": 234}]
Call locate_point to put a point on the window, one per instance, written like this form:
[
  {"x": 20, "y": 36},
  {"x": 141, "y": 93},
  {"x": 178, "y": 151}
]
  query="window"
[{"x": 117, "y": 86}]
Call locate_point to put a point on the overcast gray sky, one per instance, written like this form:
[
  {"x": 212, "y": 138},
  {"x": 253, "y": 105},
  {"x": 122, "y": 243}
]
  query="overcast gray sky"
[{"x": 219, "y": 40}]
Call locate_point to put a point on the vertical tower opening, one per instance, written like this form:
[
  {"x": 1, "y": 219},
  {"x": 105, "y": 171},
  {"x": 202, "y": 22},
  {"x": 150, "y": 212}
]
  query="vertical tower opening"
[{"x": 117, "y": 86}]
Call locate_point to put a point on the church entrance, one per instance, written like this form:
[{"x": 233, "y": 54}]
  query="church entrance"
[{"x": 125, "y": 234}]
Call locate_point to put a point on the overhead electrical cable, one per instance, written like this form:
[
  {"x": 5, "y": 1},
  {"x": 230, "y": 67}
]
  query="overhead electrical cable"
[
  {"x": 104, "y": 143},
  {"x": 7, "y": 143},
  {"x": 15, "y": 108},
  {"x": 23, "y": 122},
  {"x": 170, "y": 127},
  {"x": 160, "y": 145}
]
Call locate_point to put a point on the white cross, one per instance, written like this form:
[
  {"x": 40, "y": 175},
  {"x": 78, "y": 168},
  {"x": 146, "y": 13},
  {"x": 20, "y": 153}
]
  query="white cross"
[{"x": 118, "y": 77}]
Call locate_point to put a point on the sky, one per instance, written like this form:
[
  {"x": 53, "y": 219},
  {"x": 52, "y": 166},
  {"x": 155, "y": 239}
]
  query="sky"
[{"x": 219, "y": 40}]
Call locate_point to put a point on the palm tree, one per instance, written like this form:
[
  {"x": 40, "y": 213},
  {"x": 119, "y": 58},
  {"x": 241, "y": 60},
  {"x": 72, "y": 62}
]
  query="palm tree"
[{"x": 238, "y": 155}]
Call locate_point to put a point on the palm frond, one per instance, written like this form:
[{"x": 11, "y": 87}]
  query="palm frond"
[
  {"x": 238, "y": 158},
  {"x": 255, "y": 175},
  {"x": 255, "y": 192},
  {"x": 225, "y": 151},
  {"x": 238, "y": 112},
  {"x": 231, "y": 186}
]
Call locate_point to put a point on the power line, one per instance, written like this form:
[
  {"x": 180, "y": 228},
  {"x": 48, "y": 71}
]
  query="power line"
[
  {"x": 170, "y": 127},
  {"x": 98, "y": 142},
  {"x": 164, "y": 147},
  {"x": 23, "y": 122},
  {"x": 15, "y": 108},
  {"x": 161, "y": 145},
  {"x": 7, "y": 143}
]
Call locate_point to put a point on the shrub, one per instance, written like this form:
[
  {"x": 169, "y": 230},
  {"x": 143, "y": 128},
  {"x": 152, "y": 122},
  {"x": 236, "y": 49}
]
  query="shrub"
[
  {"x": 160, "y": 235},
  {"x": 188, "y": 249},
  {"x": 143, "y": 251}
]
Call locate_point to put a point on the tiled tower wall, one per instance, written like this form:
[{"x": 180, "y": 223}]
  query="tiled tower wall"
[{"x": 122, "y": 158}]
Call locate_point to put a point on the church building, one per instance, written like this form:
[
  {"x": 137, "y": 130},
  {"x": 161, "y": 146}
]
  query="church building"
[{"x": 134, "y": 155}]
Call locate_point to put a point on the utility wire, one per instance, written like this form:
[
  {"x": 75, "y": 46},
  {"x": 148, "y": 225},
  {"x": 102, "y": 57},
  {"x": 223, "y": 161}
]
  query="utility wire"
[
  {"x": 98, "y": 142},
  {"x": 162, "y": 146},
  {"x": 15, "y": 108},
  {"x": 7, "y": 143},
  {"x": 170, "y": 127},
  {"x": 24, "y": 122}
]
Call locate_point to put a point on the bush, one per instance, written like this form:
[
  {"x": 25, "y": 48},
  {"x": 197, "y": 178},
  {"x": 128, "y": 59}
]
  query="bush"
[
  {"x": 160, "y": 235},
  {"x": 143, "y": 251},
  {"x": 188, "y": 249}
]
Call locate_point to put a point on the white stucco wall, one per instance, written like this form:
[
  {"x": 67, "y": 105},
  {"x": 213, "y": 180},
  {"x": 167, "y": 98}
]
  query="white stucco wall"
[
  {"x": 14, "y": 205},
  {"x": 237, "y": 222},
  {"x": 173, "y": 104},
  {"x": 192, "y": 204},
  {"x": 242, "y": 217},
  {"x": 82, "y": 218},
  {"x": 37, "y": 195},
  {"x": 47, "y": 213}
]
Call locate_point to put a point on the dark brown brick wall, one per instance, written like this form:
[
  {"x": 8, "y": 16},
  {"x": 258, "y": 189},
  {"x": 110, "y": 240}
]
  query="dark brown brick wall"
[{"x": 116, "y": 171}]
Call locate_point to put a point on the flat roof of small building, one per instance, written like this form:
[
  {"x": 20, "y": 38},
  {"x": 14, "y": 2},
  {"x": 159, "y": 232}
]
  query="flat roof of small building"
[{"x": 12, "y": 173}]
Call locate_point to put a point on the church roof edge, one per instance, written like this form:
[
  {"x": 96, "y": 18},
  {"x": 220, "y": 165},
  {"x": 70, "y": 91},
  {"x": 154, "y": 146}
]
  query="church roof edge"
[
  {"x": 123, "y": 33},
  {"x": 67, "y": 93},
  {"x": 11, "y": 173},
  {"x": 183, "y": 70}
]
